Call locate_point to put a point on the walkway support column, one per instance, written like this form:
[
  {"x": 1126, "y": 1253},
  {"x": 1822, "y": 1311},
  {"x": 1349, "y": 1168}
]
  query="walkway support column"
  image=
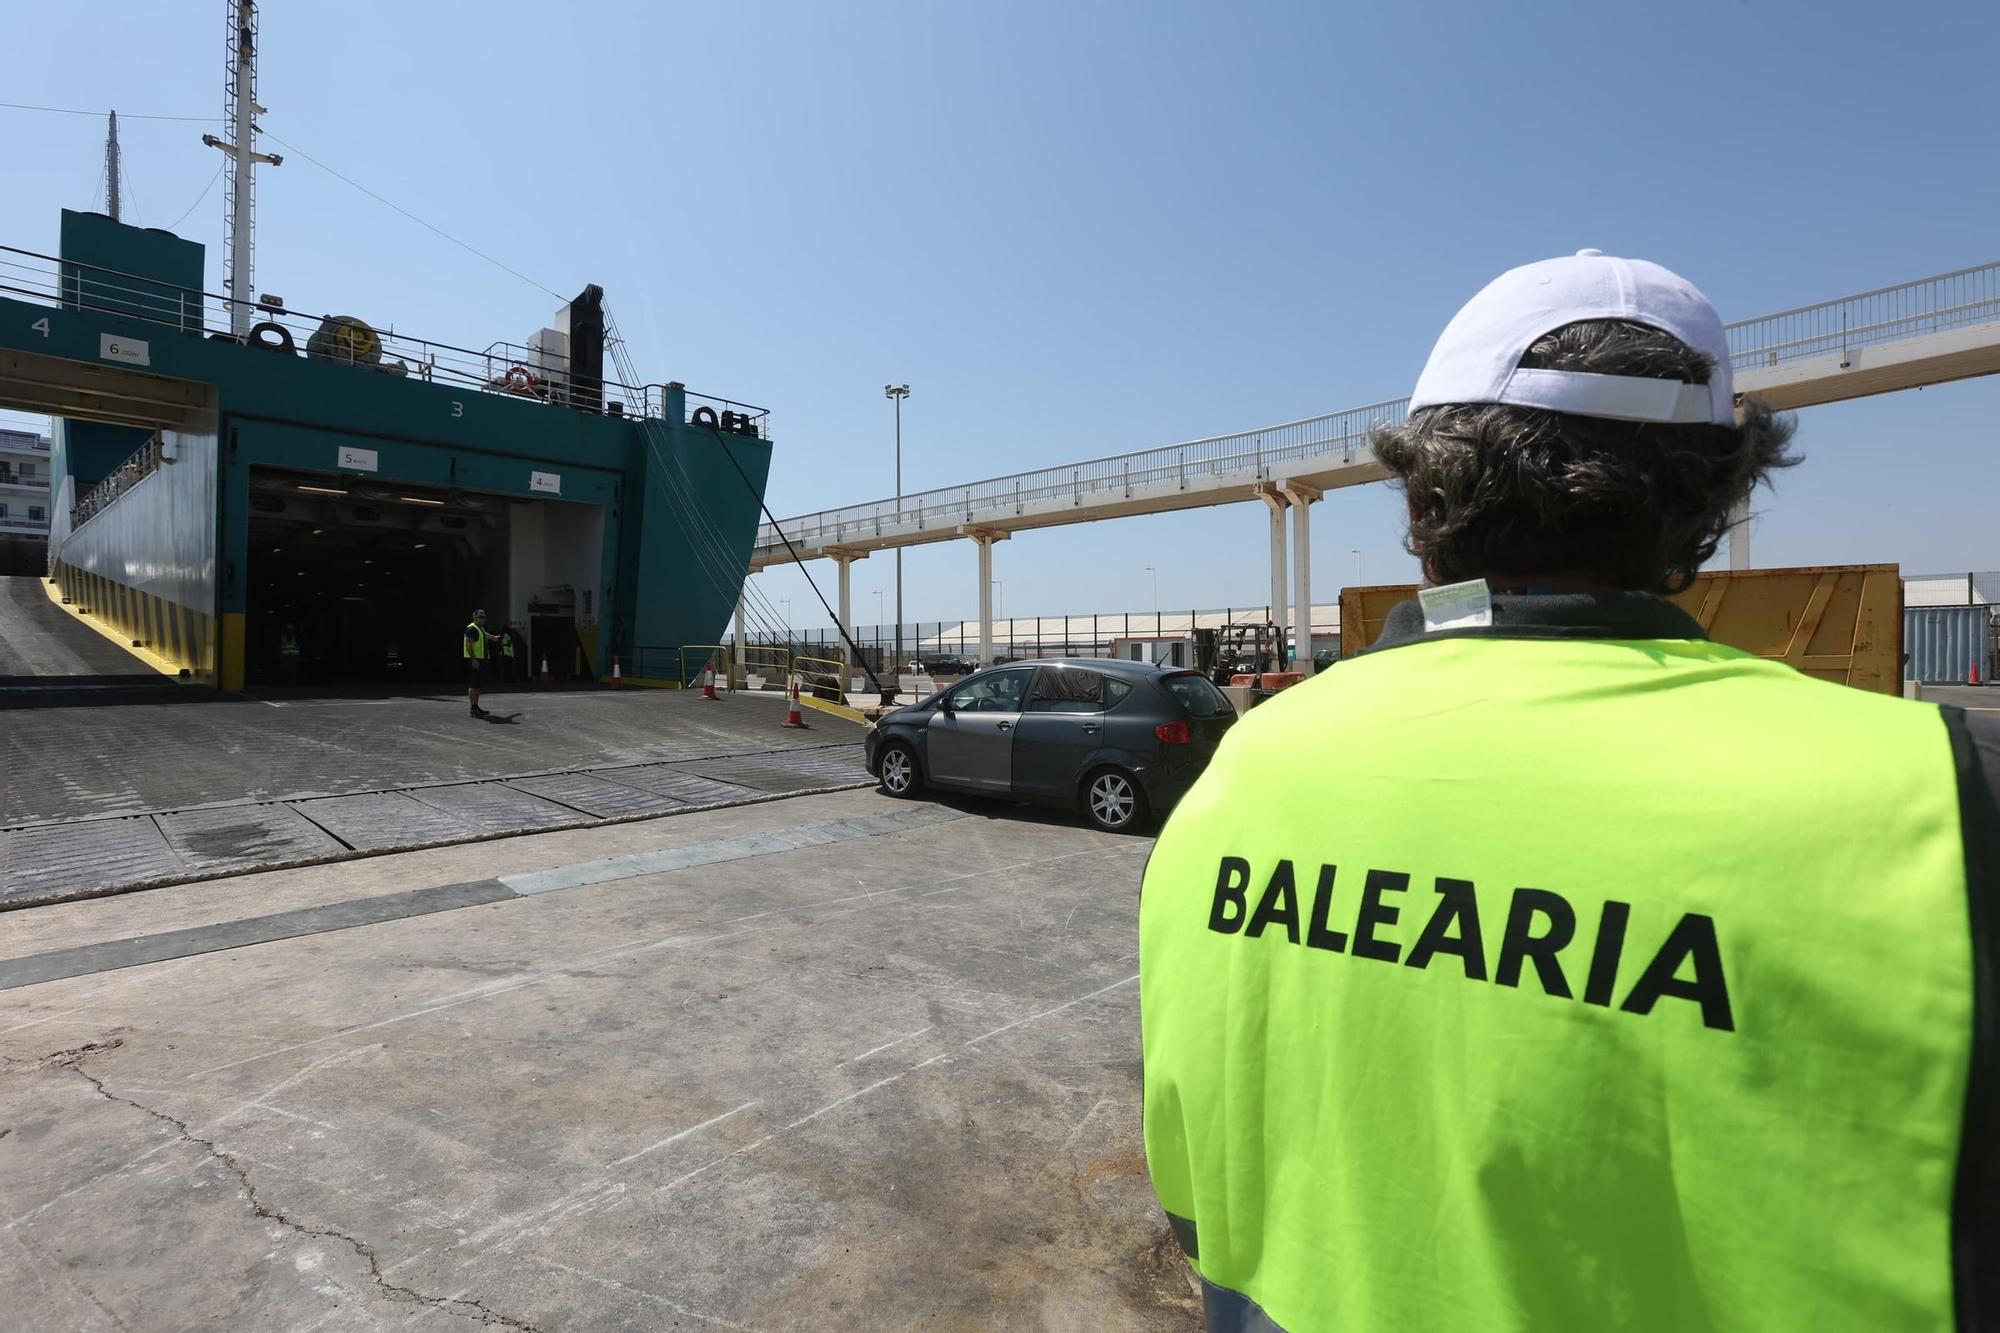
[
  {"x": 1302, "y": 497},
  {"x": 984, "y": 539},
  {"x": 1275, "y": 498},
  {"x": 1739, "y": 534},
  {"x": 843, "y": 557},
  {"x": 742, "y": 636}
]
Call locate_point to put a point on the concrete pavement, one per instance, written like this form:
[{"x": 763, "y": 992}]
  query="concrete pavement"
[{"x": 833, "y": 1061}]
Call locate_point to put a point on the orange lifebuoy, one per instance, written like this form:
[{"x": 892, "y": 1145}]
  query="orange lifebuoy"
[{"x": 518, "y": 379}]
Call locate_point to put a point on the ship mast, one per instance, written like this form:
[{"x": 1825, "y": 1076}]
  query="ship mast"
[{"x": 239, "y": 108}]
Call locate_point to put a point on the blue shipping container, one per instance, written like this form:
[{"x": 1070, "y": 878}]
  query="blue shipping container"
[{"x": 1944, "y": 643}]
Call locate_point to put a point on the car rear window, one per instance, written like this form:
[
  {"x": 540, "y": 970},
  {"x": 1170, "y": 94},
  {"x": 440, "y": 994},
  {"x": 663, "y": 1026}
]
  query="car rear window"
[
  {"x": 1075, "y": 690},
  {"x": 1197, "y": 695}
]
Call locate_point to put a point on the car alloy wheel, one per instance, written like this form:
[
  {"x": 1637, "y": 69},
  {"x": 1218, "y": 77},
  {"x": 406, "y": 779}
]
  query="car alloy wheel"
[
  {"x": 1113, "y": 801},
  {"x": 899, "y": 772}
]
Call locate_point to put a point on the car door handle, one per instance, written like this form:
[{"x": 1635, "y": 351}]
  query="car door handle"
[
  {"x": 1003, "y": 726},
  {"x": 1090, "y": 726}
]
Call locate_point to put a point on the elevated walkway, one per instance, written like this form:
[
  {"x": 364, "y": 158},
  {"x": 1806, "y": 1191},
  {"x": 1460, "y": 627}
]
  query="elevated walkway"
[{"x": 1929, "y": 331}]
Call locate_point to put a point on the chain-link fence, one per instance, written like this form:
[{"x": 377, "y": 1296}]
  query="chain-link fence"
[{"x": 951, "y": 647}]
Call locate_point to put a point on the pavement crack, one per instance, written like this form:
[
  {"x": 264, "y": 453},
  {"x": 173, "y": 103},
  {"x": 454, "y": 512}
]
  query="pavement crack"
[{"x": 462, "y": 1307}]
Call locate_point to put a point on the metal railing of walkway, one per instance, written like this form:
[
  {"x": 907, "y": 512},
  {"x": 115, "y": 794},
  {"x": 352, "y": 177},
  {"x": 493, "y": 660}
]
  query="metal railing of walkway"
[{"x": 1946, "y": 302}]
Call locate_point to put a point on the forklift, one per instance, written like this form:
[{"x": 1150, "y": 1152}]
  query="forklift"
[{"x": 1250, "y": 648}]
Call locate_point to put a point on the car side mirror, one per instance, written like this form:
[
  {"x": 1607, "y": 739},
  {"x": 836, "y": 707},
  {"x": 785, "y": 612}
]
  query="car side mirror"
[{"x": 944, "y": 706}]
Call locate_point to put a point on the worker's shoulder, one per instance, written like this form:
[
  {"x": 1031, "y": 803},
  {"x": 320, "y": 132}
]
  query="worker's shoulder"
[{"x": 1717, "y": 688}]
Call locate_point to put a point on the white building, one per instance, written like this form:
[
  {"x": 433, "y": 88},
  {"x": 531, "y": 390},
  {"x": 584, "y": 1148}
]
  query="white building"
[
  {"x": 1977, "y": 588},
  {"x": 24, "y": 484}
]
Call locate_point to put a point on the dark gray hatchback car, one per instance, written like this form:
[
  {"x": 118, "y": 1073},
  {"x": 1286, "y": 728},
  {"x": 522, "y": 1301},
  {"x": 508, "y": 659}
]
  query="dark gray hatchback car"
[{"x": 1118, "y": 740}]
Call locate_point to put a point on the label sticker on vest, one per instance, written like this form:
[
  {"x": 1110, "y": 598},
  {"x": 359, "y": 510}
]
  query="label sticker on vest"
[
  {"x": 1456, "y": 605},
  {"x": 1539, "y": 942}
]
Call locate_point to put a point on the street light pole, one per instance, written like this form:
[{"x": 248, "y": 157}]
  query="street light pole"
[
  {"x": 1356, "y": 553},
  {"x": 1154, "y": 571},
  {"x": 898, "y": 392}
]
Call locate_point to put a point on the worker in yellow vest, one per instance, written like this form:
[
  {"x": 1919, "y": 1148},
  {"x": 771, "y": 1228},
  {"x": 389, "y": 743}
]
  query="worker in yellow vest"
[
  {"x": 476, "y": 642},
  {"x": 1549, "y": 966},
  {"x": 507, "y": 655}
]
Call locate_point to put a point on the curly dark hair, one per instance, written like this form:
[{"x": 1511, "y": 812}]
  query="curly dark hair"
[{"x": 1506, "y": 492}]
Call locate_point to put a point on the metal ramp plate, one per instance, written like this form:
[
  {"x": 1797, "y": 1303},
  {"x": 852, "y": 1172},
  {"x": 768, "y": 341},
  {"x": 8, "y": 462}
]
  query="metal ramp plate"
[
  {"x": 383, "y": 819},
  {"x": 80, "y": 857},
  {"x": 835, "y": 764},
  {"x": 783, "y": 772},
  {"x": 598, "y": 796},
  {"x": 665, "y": 780},
  {"x": 244, "y": 836},
  {"x": 496, "y": 807}
]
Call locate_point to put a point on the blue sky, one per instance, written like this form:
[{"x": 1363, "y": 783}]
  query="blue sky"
[{"x": 1077, "y": 229}]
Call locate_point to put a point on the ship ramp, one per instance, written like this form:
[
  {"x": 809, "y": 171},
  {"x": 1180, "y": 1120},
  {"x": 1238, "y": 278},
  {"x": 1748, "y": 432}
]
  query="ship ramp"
[{"x": 43, "y": 646}]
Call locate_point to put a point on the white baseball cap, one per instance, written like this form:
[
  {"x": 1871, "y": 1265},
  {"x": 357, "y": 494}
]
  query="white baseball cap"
[{"x": 1478, "y": 357}]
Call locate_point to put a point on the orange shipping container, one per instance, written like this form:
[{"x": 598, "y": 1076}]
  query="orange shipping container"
[{"x": 1842, "y": 623}]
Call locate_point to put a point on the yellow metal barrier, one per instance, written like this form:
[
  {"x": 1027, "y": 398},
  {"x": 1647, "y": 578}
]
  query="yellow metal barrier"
[
  {"x": 771, "y": 665},
  {"x": 822, "y": 683},
  {"x": 710, "y": 660},
  {"x": 1842, "y": 623}
]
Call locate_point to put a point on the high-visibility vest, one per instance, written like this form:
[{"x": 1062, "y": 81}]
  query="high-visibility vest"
[
  {"x": 287, "y": 646},
  {"x": 475, "y": 642},
  {"x": 507, "y": 645},
  {"x": 1574, "y": 984}
]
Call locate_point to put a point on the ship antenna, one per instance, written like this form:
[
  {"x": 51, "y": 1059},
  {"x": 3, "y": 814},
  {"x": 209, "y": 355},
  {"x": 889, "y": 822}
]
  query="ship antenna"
[
  {"x": 111, "y": 164},
  {"x": 240, "y": 109}
]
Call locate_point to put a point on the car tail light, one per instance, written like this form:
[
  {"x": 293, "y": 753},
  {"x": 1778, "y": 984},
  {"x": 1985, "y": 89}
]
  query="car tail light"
[{"x": 1173, "y": 733}]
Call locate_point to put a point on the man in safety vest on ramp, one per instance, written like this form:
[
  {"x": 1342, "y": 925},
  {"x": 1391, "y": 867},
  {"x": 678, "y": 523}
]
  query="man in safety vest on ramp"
[
  {"x": 1549, "y": 966},
  {"x": 477, "y": 641}
]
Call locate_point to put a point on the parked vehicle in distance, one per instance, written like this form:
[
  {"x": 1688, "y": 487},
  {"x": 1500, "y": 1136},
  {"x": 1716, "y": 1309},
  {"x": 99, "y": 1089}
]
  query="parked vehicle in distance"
[
  {"x": 1119, "y": 741},
  {"x": 946, "y": 666}
]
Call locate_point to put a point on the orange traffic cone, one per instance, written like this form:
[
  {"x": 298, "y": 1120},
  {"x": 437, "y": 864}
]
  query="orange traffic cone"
[
  {"x": 545, "y": 671},
  {"x": 1972, "y": 673},
  {"x": 708, "y": 681},
  {"x": 617, "y": 676},
  {"x": 792, "y": 716}
]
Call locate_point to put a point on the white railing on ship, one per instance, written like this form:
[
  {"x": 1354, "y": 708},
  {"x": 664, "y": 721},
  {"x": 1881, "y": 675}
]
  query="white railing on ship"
[{"x": 501, "y": 368}]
